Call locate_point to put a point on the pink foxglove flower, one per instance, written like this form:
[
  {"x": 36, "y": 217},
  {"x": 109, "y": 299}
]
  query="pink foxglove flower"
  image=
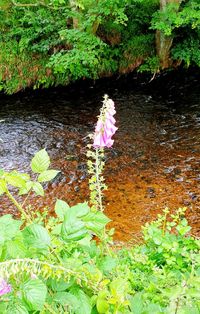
[
  {"x": 105, "y": 127},
  {"x": 4, "y": 287}
]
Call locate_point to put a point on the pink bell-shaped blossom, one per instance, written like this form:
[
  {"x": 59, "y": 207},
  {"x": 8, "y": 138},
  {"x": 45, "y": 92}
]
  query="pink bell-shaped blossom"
[
  {"x": 4, "y": 287},
  {"x": 105, "y": 127}
]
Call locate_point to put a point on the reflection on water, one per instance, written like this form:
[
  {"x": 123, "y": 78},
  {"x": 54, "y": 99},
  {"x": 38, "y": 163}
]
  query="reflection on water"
[{"x": 154, "y": 162}]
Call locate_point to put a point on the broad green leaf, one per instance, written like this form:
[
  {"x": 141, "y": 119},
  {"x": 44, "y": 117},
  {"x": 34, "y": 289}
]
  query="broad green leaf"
[
  {"x": 80, "y": 210},
  {"x": 36, "y": 236},
  {"x": 102, "y": 303},
  {"x": 47, "y": 175},
  {"x": 26, "y": 189},
  {"x": 152, "y": 308},
  {"x": 3, "y": 186},
  {"x": 38, "y": 188},
  {"x": 34, "y": 294},
  {"x": 93, "y": 272},
  {"x": 40, "y": 161},
  {"x": 95, "y": 221},
  {"x": 3, "y": 306},
  {"x": 56, "y": 229},
  {"x": 107, "y": 264},
  {"x": 85, "y": 306},
  {"x": 24, "y": 176},
  {"x": 16, "y": 308},
  {"x": 9, "y": 227},
  {"x": 119, "y": 288},
  {"x": 15, "y": 181},
  {"x": 60, "y": 285},
  {"x": 157, "y": 240},
  {"x": 189, "y": 309},
  {"x": 60, "y": 208},
  {"x": 16, "y": 248},
  {"x": 73, "y": 229},
  {"x": 67, "y": 299},
  {"x": 86, "y": 241},
  {"x": 136, "y": 303}
]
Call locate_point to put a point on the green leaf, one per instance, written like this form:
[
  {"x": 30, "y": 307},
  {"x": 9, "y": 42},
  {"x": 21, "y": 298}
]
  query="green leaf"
[
  {"x": 96, "y": 221},
  {"x": 15, "y": 179},
  {"x": 136, "y": 304},
  {"x": 38, "y": 188},
  {"x": 3, "y": 306},
  {"x": 60, "y": 208},
  {"x": 26, "y": 189},
  {"x": 3, "y": 186},
  {"x": 107, "y": 264},
  {"x": 47, "y": 175},
  {"x": 73, "y": 229},
  {"x": 34, "y": 294},
  {"x": 189, "y": 309},
  {"x": 9, "y": 227},
  {"x": 85, "y": 306},
  {"x": 40, "y": 161},
  {"x": 157, "y": 240},
  {"x": 36, "y": 236},
  {"x": 67, "y": 299},
  {"x": 80, "y": 210},
  {"x": 16, "y": 308},
  {"x": 60, "y": 285},
  {"x": 152, "y": 308},
  {"x": 119, "y": 288},
  {"x": 16, "y": 248},
  {"x": 102, "y": 303}
]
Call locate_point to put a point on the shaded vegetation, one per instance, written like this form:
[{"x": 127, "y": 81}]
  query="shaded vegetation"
[{"x": 53, "y": 42}]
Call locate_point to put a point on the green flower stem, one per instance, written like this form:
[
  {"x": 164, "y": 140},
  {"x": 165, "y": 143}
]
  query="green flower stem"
[
  {"x": 19, "y": 207},
  {"x": 27, "y": 196},
  {"x": 97, "y": 163},
  {"x": 46, "y": 270},
  {"x": 48, "y": 307},
  {"x": 165, "y": 222}
]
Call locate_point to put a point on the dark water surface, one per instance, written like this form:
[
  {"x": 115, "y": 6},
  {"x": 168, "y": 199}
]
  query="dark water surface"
[{"x": 155, "y": 159}]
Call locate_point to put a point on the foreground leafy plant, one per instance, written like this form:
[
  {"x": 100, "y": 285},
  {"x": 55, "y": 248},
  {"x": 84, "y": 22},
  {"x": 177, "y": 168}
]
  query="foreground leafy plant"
[
  {"x": 53, "y": 270},
  {"x": 23, "y": 183}
]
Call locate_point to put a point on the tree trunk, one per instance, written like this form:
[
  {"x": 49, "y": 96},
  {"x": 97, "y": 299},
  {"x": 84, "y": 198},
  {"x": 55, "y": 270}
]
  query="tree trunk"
[
  {"x": 163, "y": 42},
  {"x": 75, "y": 9}
]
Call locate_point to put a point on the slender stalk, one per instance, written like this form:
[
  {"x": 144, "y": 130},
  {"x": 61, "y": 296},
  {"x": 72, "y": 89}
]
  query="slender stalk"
[
  {"x": 177, "y": 306},
  {"x": 48, "y": 307},
  {"x": 164, "y": 224},
  {"x": 97, "y": 163},
  {"x": 27, "y": 196},
  {"x": 19, "y": 207}
]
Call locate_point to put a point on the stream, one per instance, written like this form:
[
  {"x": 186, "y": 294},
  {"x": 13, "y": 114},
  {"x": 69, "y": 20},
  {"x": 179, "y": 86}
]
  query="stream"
[{"x": 153, "y": 164}]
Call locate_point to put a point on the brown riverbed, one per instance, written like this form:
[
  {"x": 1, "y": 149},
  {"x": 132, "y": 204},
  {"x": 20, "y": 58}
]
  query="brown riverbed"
[{"x": 154, "y": 162}]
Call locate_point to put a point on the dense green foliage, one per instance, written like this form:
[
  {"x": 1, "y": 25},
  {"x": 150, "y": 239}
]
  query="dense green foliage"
[
  {"x": 54, "y": 265},
  {"x": 53, "y": 42}
]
